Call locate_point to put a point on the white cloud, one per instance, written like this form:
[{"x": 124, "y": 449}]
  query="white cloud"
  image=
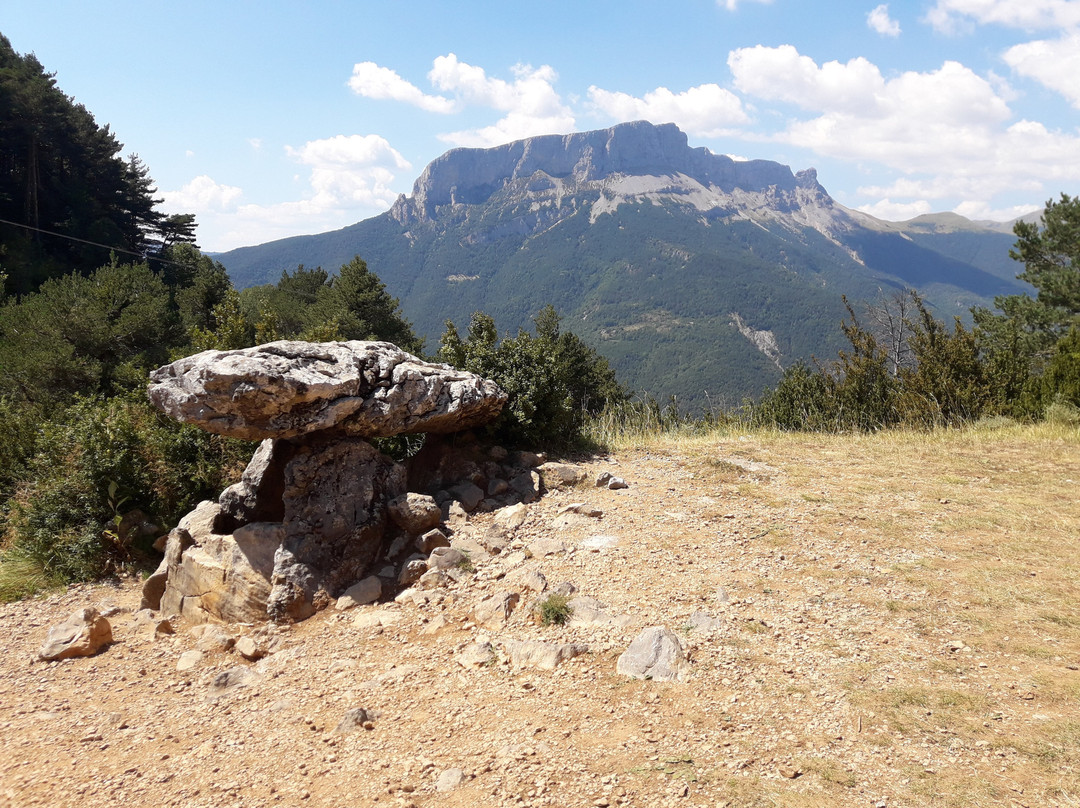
[
  {"x": 372, "y": 81},
  {"x": 201, "y": 195},
  {"x": 949, "y": 133},
  {"x": 707, "y": 110},
  {"x": 350, "y": 177},
  {"x": 880, "y": 21},
  {"x": 783, "y": 74},
  {"x": 351, "y": 170},
  {"x": 897, "y": 211},
  {"x": 531, "y": 104},
  {"x": 1054, "y": 63},
  {"x": 952, "y": 15}
]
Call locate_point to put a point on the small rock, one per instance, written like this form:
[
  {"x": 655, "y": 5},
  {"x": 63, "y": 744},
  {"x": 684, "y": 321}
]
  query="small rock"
[
  {"x": 189, "y": 660},
  {"x": 558, "y": 476},
  {"x": 616, "y": 484},
  {"x": 476, "y": 655},
  {"x": 513, "y": 516},
  {"x": 362, "y": 593},
  {"x": 449, "y": 780},
  {"x": 656, "y": 653},
  {"x": 212, "y": 639},
  {"x": 414, "y": 513},
  {"x": 432, "y": 539},
  {"x": 83, "y": 633},
  {"x": 535, "y": 654},
  {"x": 249, "y": 649}
]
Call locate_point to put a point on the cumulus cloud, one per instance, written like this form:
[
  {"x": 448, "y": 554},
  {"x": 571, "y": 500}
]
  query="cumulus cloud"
[
  {"x": 201, "y": 195},
  {"x": 350, "y": 177},
  {"x": 1055, "y": 63},
  {"x": 949, "y": 132},
  {"x": 530, "y": 101},
  {"x": 880, "y": 21},
  {"x": 372, "y": 81},
  {"x": 707, "y": 110},
  {"x": 950, "y": 16},
  {"x": 351, "y": 170},
  {"x": 897, "y": 211}
]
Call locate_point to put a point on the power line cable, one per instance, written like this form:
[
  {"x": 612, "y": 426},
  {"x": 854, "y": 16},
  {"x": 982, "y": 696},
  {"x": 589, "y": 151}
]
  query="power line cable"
[{"x": 143, "y": 256}]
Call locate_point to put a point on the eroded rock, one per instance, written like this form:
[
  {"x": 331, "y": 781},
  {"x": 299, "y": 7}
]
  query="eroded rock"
[
  {"x": 286, "y": 389},
  {"x": 82, "y": 633}
]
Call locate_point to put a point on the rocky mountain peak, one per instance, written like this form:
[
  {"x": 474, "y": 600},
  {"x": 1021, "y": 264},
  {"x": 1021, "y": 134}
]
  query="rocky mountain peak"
[{"x": 639, "y": 148}]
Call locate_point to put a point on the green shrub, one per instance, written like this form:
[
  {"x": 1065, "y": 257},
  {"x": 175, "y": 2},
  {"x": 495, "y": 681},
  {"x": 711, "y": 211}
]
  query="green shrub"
[
  {"x": 555, "y": 610},
  {"x": 554, "y": 381},
  {"x": 98, "y": 460}
]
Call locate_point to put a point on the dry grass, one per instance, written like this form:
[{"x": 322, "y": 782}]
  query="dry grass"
[{"x": 955, "y": 536}]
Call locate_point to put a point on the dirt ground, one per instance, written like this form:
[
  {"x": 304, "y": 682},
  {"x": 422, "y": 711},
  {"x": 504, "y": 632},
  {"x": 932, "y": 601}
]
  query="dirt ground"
[{"x": 896, "y": 624}]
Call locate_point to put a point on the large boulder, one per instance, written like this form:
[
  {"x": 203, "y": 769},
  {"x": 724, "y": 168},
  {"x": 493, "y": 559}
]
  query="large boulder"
[
  {"x": 335, "y": 514},
  {"x": 286, "y": 389}
]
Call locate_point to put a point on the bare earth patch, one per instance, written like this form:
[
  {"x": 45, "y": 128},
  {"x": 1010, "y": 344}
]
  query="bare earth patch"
[{"x": 893, "y": 620}]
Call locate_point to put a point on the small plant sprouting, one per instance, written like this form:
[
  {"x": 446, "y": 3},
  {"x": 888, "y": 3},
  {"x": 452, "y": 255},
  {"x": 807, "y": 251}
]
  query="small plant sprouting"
[{"x": 555, "y": 610}]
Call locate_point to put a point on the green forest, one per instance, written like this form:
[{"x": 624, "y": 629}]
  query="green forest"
[{"x": 98, "y": 288}]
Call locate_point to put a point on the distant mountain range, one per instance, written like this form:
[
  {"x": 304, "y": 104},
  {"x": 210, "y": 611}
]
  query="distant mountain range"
[{"x": 697, "y": 275}]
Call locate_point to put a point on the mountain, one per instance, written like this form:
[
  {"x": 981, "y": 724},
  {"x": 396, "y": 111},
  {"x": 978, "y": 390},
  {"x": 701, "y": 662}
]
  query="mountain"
[{"x": 697, "y": 275}]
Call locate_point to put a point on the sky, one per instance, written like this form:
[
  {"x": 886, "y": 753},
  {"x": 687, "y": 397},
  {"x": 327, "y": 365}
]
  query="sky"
[{"x": 272, "y": 119}]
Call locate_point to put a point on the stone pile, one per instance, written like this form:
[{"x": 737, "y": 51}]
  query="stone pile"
[{"x": 318, "y": 504}]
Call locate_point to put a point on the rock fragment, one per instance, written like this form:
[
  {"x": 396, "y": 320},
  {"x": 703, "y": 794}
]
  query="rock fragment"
[
  {"x": 656, "y": 653},
  {"x": 82, "y": 633}
]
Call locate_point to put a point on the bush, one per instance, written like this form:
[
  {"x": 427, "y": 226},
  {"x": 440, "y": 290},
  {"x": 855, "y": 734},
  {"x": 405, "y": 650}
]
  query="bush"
[
  {"x": 555, "y": 610},
  {"x": 98, "y": 460},
  {"x": 553, "y": 380}
]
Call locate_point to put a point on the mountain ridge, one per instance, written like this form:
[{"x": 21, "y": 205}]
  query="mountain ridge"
[{"x": 647, "y": 247}]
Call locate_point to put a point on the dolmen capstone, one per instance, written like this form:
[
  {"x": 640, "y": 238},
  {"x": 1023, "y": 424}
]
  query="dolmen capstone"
[{"x": 309, "y": 516}]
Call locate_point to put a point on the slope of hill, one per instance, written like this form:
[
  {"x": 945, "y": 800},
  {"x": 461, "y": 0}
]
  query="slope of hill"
[{"x": 653, "y": 251}]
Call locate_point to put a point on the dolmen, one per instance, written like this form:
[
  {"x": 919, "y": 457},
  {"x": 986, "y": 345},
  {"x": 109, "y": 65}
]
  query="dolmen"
[{"x": 310, "y": 514}]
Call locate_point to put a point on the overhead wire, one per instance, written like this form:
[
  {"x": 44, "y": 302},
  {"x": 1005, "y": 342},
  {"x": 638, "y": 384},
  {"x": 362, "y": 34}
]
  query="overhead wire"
[{"x": 143, "y": 256}]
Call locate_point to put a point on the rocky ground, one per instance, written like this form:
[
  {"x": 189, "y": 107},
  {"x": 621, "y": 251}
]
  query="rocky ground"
[{"x": 858, "y": 634}]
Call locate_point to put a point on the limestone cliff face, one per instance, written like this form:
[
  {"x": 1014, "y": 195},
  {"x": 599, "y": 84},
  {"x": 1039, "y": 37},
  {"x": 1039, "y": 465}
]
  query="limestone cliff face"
[{"x": 598, "y": 160}]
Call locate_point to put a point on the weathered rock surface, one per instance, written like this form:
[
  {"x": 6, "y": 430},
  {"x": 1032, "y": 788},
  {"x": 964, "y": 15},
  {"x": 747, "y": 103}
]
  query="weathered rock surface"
[
  {"x": 494, "y": 612},
  {"x": 286, "y": 389},
  {"x": 366, "y": 591},
  {"x": 415, "y": 513},
  {"x": 83, "y": 633},
  {"x": 536, "y": 654},
  {"x": 335, "y": 496},
  {"x": 656, "y": 653}
]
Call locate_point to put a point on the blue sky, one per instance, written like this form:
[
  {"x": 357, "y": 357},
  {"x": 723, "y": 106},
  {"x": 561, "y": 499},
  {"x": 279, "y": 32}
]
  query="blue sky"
[{"x": 273, "y": 119}]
